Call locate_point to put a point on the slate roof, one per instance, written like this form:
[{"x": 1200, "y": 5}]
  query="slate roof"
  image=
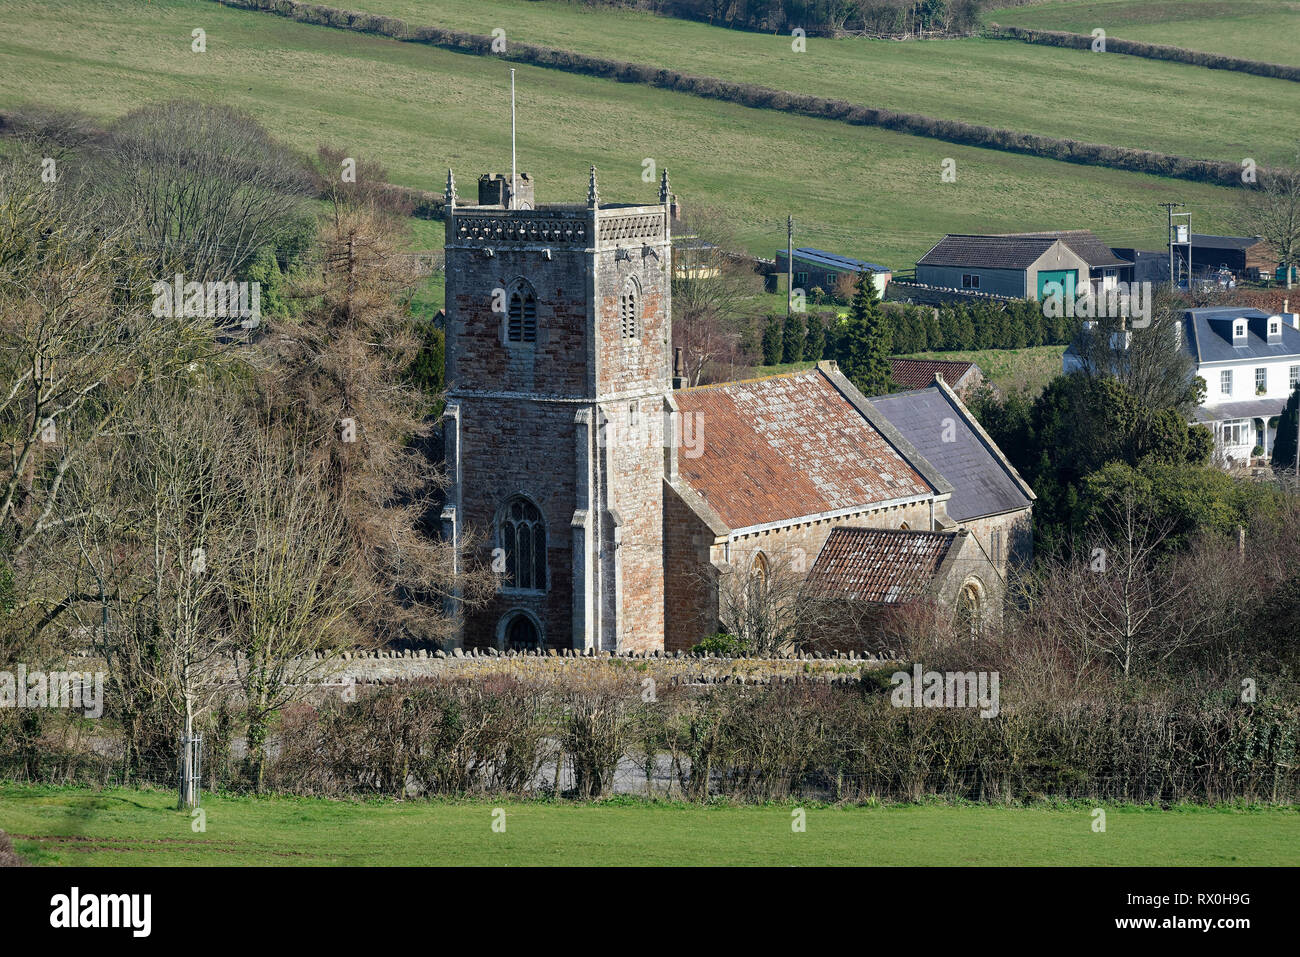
[
  {"x": 1225, "y": 242},
  {"x": 918, "y": 373},
  {"x": 1245, "y": 409},
  {"x": 879, "y": 564},
  {"x": 1085, "y": 245},
  {"x": 988, "y": 252},
  {"x": 1208, "y": 335},
  {"x": 832, "y": 260},
  {"x": 984, "y": 483},
  {"x": 787, "y": 446}
]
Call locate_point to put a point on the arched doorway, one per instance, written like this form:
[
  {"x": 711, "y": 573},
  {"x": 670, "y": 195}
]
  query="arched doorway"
[
  {"x": 520, "y": 632},
  {"x": 969, "y": 619}
]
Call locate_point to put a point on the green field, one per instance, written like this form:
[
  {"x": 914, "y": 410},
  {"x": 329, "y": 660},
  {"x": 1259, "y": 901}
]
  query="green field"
[
  {"x": 860, "y": 191},
  {"x": 1267, "y": 30},
  {"x": 123, "y": 828},
  {"x": 1122, "y": 101}
]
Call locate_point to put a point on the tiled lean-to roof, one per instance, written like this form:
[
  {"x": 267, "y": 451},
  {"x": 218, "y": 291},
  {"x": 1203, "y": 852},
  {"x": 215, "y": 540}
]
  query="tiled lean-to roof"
[
  {"x": 879, "y": 564},
  {"x": 788, "y": 446}
]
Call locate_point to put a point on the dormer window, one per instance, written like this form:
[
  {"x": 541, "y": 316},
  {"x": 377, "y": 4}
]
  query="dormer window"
[
  {"x": 1239, "y": 329},
  {"x": 1274, "y": 327},
  {"x": 521, "y": 314}
]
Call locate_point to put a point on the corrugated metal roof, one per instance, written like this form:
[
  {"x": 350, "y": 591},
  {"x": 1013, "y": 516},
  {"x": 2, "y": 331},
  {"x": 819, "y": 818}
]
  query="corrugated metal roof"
[
  {"x": 879, "y": 565},
  {"x": 832, "y": 260},
  {"x": 787, "y": 446},
  {"x": 1210, "y": 241},
  {"x": 940, "y": 431}
]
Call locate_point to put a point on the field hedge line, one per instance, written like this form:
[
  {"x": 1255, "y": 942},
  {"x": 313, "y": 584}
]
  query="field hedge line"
[
  {"x": 502, "y": 735},
  {"x": 1150, "y": 51},
  {"x": 760, "y": 97}
]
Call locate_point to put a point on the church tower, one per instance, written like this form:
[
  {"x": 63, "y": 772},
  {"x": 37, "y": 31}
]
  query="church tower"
[{"x": 557, "y": 363}]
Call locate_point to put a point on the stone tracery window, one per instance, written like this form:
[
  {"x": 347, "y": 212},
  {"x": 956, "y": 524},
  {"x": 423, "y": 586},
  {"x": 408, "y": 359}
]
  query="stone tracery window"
[{"x": 522, "y": 536}]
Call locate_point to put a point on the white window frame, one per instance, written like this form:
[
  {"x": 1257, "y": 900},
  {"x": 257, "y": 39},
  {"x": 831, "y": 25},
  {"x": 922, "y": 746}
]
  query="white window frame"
[
  {"x": 1240, "y": 431},
  {"x": 1261, "y": 378},
  {"x": 1225, "y": 382},
  {"x": 970, "y": 280}
]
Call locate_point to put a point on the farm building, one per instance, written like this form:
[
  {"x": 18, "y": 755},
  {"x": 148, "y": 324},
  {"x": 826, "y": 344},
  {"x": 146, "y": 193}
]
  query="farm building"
[
  {"x": 1247, "y": 257},
  {"x": 1010, "y": 266},
  {"x": 1105, "y": 267},
  {"x": 1148, "y": 265},
  {"x": 816, "y": 268}
]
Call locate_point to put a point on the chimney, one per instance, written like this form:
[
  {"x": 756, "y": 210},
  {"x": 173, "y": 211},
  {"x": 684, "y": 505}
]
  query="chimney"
[{"x": 679, "y": 372}]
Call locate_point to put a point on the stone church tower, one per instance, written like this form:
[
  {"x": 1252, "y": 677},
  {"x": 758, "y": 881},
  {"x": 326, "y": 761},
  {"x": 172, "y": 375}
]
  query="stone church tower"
[{"x": 557, "y": 363}]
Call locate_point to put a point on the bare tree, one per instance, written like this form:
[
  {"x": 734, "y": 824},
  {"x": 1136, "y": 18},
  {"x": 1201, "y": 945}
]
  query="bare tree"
[
  {"x": 288, "y": 581},
  {"x": 711, "y": 286},
  {"x": 80, "y": 345},
  {"x": 1123, "y": 599},
  {"x": 203, "y": 186},
  {"x": 1273, "y": 210}
]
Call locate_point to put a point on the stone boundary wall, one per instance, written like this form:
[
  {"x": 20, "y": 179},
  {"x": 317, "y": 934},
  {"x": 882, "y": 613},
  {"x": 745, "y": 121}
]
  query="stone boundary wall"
[
  {"x": 761, "y": 97},
  {"x": 394, "y": 667}
]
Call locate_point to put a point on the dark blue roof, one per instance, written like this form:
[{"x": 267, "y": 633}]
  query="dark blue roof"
[
  {"x": 834, "y": 261},
  {"x": 1209, "y": 335},
  {"x": 982, "y": 483}
]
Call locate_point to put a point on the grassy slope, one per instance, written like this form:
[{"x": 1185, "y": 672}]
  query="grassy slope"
[
  {"x": 417, "y": 110},
  {"x": 1008, "y": 369},
  {"x": 1267, "y": 30},
  {"x": 120, "y": 827},
  {"x": 1123, "y": 101}
]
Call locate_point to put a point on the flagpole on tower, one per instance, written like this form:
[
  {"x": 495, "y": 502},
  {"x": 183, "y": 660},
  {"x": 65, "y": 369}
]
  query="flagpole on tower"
[{"x": 514, "y": 183}]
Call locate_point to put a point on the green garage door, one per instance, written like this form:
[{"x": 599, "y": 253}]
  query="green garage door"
[{"x": 1066, "y": 277}]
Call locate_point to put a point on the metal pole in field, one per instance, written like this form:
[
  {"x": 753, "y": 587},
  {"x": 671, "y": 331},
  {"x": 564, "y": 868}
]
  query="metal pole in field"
[
  {"x": 514, "y": 181},
  {"x": 789, "y": 265}
]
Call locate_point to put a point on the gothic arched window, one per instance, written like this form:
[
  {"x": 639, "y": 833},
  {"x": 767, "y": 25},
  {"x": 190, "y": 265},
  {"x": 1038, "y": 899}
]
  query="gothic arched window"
[
  {"x": 521, "y": 313},
  {"x": 629, "y": 310},
  {"x": 520, "y": 632},
  {"x": 522, "y": 535}
]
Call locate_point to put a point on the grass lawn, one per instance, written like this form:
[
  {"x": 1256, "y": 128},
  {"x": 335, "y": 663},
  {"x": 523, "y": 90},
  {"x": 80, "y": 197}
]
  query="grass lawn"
[
  {"x": 1252, "y": 29},
  {"x": 860, "y": 191},
  {"x": 1074, "y": 94},
  {"x": 123, "y": 827}
]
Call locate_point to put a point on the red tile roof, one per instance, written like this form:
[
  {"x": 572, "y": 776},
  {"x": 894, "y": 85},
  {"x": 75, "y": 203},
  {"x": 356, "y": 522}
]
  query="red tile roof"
[
  {"x": 787, "y": 446},
  {"x": 919, "y": 373},
  {"x": 879, "y": 564}
]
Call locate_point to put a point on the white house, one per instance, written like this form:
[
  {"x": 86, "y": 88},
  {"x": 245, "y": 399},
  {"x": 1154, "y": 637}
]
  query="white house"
[{"x": 1250, "y": 362}]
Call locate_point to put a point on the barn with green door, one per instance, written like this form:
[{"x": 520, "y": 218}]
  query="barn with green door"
[{"x": 1012, "y": 267}]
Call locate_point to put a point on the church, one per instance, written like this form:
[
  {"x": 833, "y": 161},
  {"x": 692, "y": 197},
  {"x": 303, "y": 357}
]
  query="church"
[{"x": 619, "y": 509}]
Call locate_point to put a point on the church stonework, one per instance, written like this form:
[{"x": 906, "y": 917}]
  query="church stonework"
[{"x": 557, "y": 364}]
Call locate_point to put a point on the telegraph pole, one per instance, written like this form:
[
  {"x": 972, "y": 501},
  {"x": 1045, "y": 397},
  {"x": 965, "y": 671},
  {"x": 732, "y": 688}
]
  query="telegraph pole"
[
  {"x": 514, "y": 177},
  {"x": 789, "y": 265}
]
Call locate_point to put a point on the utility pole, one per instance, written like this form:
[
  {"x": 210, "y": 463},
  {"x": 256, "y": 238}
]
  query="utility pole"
[
  {"x": 514, "y": 180},
  {"x": 789, "y": 265},
  {"x": 1169, "y": 235}
]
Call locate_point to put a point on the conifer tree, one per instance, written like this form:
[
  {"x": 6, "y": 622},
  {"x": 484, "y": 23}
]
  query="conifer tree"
[{"x": 867, "y": 340}]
